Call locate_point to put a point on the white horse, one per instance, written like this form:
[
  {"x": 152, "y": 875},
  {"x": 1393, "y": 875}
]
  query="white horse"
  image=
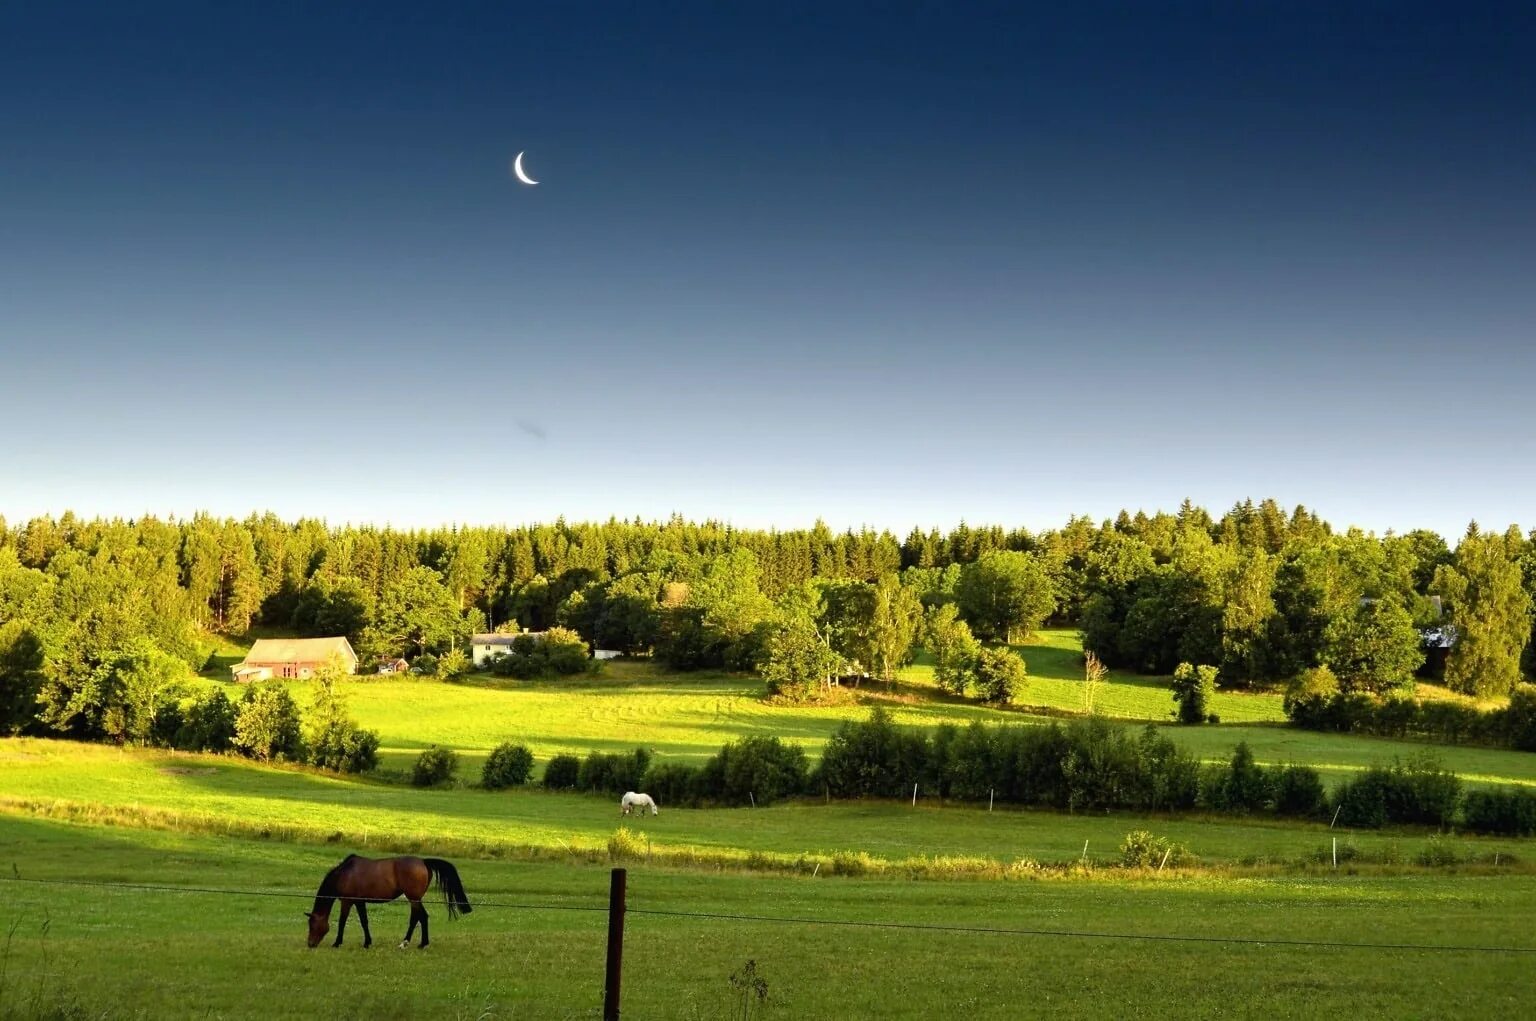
[{"x": 632, "y": 800}]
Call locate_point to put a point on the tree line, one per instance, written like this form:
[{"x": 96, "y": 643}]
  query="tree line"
[{"x": 92, "y": 608}]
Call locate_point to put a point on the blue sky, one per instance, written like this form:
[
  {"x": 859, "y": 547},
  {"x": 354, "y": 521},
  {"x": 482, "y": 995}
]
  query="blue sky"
[{"x": 891, "y": 266}]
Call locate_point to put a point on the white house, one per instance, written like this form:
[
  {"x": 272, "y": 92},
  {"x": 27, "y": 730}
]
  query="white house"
[
  {"x": 484, "y": 648},
  {"x": 606, "y": 654}
]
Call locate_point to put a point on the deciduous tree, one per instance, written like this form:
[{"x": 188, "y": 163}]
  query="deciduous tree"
[
  {"x": 1005, "y": 595},
  {"x": 1490, "y": 612},
  {"x": 1193, "y": 689},
  {"x": 953, "y": 648},
  {"x": 417, "y": 614}
]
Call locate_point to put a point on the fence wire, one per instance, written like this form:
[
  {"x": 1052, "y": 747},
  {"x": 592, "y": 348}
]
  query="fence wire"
[{"x": 1083, "y": 934}]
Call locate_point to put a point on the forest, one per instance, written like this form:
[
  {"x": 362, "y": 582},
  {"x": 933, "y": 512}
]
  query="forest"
[{"x": 95, "y": 613}]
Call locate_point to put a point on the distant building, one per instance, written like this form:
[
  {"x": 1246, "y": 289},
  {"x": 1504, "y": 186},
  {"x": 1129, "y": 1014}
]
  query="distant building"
[
  {"x": 393, "y": 666},
  {"x": 294, "y": 657},
  {"x": 484, "y": 648},
  {"x": 606, "y": 654},
  {"x": 1437, "y": 640}
]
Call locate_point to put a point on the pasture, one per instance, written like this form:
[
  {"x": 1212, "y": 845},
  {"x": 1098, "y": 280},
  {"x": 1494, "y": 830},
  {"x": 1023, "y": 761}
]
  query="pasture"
[
  {"x": 536, "y": 863},
  {"x": 215, "y": 794},
  {"x": 685, "y": 717},
  {"x": 166, "y": 954}
]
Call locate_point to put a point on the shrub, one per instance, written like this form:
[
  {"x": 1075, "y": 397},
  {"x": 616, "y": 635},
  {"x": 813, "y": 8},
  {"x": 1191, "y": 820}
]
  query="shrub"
[
  {"x": 1170, "y": 774},
  {"x": 508, "y": 765},
  {"x": 167, "y": 725},
  {"x": 1513, "y": 726},
  {"x": 346, "y": 748},
  {"x": 1299, "y": 792},
  {"x": 209, "y": 723},
  {"x": 1431, "y": 793},
  {"x": 999, "y": 675},
  {"x": 1247, "y": 787},
  {"x": 434, "y": 766},
  {"x": 1318, "y": 682},
  {"x": 562, "y": 773},
  {"x": 1363, "y": 800},
  {"x": 1517, "y": 720},
  {"x": 565, "y": 653},
  {"x": 1437, "y": 852},
  {"x": 1141, "y": 849},
  {"x": 1341, "y": 851},
  {"x": 1510, "y": 810},
  {"x": 873, "y": 757},
  {"x": 425, "y": 664},
  {"x": 267, "y": 724},
  {"x": 453, "y": 663},
  {"x": 1213, "y": 787},
  {"x": 1418, "y": 792},
  {"x": 763, "y": 769},
  {"x": 612, "y": 773},
  {"x": 1193, "y": 689},
  {"x": 673, "y": 783}
]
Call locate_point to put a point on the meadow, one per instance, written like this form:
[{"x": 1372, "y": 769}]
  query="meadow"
[
  {"x": 534, "y": 946},
  {"x": 206, "y": 793},
  {"x": 537, "y": 861},
  {"x": 685, "y": 717}
]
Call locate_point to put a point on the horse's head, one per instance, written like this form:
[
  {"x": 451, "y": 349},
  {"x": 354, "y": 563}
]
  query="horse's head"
[{"x": 319, "y": 925}]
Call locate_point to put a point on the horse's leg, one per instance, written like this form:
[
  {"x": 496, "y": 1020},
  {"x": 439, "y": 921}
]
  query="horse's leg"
[
  {"x": 423, "y": 926},
  {"x": 410, "y": 930},
  {"x": 341, "y": 927},
  {"x": 362, "y": 916}
]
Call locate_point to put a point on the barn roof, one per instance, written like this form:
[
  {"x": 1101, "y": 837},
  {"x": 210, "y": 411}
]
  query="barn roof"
[{"x": 298, "y": 650}]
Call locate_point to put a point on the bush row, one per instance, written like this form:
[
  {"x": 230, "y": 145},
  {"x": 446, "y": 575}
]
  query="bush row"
[
  {"x": 1089, "y": 765},
  {"x": 1512, "y": 726},
  {"x": 267, "y": 724},
  {"x": 757, "y": 770},
  {"x": 1086, "y": 766}
]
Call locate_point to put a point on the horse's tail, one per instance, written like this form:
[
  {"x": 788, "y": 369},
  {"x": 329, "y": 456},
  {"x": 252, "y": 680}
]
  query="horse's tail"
[{"x": 453, "y": 887}]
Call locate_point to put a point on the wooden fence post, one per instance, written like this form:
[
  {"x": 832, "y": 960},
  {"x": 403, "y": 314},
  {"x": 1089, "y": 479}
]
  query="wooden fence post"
[{"x": 615, "y": 945}]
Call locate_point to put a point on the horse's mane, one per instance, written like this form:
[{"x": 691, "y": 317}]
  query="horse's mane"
[{"x": 327, "y": 892}]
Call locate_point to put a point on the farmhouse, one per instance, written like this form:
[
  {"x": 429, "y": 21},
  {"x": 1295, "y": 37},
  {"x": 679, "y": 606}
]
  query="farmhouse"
[
  {"x": 294, "y": 657},
  {"x": 393, "y": 666},
  {"x": 483, "y": 648}
]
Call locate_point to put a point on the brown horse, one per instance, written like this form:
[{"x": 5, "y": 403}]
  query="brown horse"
[{"x": 363, "y": 881}]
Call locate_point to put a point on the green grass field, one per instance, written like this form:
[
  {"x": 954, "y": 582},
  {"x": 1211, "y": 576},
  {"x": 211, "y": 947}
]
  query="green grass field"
[
  {"x": 103, "y": 953},
  {"x": 103, "y": 814},
  {"x": 686, "y": 717},
  {"x": 232, "y": 795}
]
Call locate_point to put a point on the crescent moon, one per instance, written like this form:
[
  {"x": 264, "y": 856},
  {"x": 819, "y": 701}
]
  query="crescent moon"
[{"x": 517, "y": 168}]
